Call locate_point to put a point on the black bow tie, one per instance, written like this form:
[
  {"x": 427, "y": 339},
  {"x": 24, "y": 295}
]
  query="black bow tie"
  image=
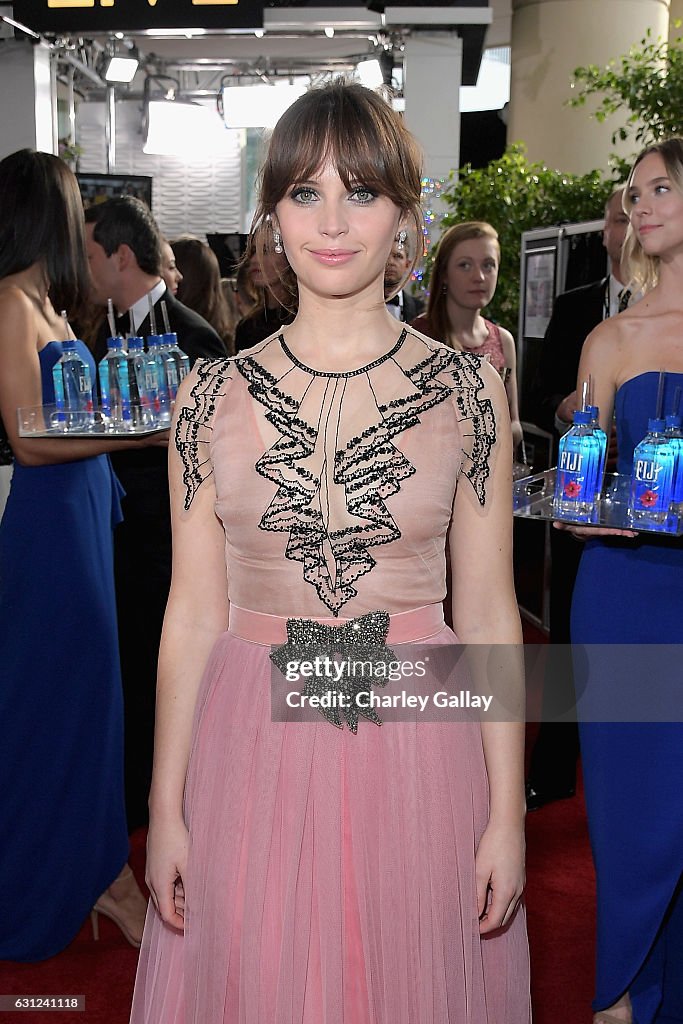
[{"x": 394, "y": 302}]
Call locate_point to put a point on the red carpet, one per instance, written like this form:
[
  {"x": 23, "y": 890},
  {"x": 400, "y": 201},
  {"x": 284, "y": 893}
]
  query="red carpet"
[{"x": 560, "y": 910}]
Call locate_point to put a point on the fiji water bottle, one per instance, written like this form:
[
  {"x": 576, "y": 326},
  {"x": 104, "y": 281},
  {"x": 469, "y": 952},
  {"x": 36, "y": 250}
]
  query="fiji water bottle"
[
  {"x": 73, "y": 389},
  {"x": 181, "y": 363},
  {"x": 143, "y": 382},
  {"x": 674, "y": 434},
  {"x": 652, "y": 479},
  {"x": 113, "y": 387},
  {"x": 602, "y": 439},
  {"x": 577, "y": 484},
  {"x": 157, "y": 361}
]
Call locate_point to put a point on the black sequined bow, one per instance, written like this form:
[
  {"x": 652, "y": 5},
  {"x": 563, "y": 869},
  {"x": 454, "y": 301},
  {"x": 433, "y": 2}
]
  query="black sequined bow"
[{"x": 354, "y": 651}]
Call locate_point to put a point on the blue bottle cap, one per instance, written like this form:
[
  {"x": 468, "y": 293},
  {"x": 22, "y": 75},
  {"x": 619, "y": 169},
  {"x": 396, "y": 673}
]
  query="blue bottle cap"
[
  {"x": 170, "y": 338},
  {"x": 582, "y": 417},
  {"x": 69, "y": 345},
  {"x": 593, "y": 410},
  {"x": 135, "y": 342},
  {"x": 655, "y": 426},
  {"x": 115, "y": 343},
  {"x": 153, "y": 340},
  {"x": 673, "y": 421}
]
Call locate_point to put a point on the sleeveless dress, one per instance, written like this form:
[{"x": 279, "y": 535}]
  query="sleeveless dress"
[
  {"x": 62, "y": 822},
  {"x": 629, "y": 593},
  {"x": 331, "y": 874},
  {"x": 492, "y": 347}
]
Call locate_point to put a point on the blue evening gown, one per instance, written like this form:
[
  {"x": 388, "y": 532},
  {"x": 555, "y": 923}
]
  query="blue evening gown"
[
  {"x": 62, "y": 820},
  {"x": 630, "y": 592}
]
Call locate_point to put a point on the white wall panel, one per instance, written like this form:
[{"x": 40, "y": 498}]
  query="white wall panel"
[{"x": 187, "y": 195}]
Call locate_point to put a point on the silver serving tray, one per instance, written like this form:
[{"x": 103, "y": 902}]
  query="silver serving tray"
[
  {"x": 49, "y": 421},
  {"x": 533, "y": 499}
]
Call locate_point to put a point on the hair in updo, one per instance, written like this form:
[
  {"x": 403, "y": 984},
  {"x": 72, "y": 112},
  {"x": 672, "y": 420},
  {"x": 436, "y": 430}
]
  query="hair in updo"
[
  {"x": 356, "y": 131},
  {"x": 642, "y": 270}
]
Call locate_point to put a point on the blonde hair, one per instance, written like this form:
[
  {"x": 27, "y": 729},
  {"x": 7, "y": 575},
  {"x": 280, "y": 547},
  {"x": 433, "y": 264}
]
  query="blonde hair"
[
  {"x": 437, "y": 311},
  {"x": 642, "y": 270}
]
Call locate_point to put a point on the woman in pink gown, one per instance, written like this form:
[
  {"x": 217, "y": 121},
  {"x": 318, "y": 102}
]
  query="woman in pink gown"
[{"x": 303, "y": 873}]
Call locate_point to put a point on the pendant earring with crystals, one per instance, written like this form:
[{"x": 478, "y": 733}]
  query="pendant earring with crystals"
[
  {"x": 277, "y": 242},
  {"x": 401, "y": 240}
]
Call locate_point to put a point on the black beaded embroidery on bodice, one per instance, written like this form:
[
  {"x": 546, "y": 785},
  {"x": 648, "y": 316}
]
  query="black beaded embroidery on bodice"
[{"x": 308, "y": 462}]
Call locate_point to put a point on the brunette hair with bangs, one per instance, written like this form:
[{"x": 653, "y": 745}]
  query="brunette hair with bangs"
[
  {"x": 437, "y": 307},
  {"x": 354, "y": 129},
  {"x": 642, "y": 270},
  {"x": 41, "y": 221}
]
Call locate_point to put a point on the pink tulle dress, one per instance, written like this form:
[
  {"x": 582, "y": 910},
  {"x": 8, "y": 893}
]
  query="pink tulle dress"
[{"x": 331, "y": 874}]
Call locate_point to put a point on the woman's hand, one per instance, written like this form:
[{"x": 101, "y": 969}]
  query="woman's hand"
[
  {"x": 517, "y": 434},
  {"x": 499, "y": 870},
  {"x": 167, "y": 846},
  {"x": 586, "y": 532}
]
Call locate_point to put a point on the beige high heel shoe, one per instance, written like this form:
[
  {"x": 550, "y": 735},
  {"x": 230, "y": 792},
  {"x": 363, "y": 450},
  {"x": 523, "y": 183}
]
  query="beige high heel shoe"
[{"x": 124, "y": 904}]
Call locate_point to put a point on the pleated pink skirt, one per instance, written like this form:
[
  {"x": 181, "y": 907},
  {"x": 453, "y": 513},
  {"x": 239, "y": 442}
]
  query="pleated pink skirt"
[{"x": 331, "y": 876}]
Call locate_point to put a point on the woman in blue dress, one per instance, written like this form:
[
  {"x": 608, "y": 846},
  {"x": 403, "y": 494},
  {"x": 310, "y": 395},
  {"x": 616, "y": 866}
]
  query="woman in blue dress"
[
  {"x": 64, "y": 840},
  {"x": 628, "y": 605}
]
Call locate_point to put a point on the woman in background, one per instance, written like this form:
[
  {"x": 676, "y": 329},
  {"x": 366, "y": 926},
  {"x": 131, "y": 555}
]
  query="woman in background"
[
  {"x": 62, "y": 821},
  {"x": 463, "y": 281},
  {"x": 627, "y": 631},
  {"x": 275, "y": 295},
  {"x": 200, "y": 286},
  {"x": 169, "y": 268}
]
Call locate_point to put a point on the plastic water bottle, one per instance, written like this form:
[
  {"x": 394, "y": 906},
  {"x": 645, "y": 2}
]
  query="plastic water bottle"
[
  {"x": 674, "y": 434},
  {"x": 577, "y": 483},
  {"x": 181, "y": 362},
  {"x": 114, "y": 389},
  {"x": 157, "y": 361},
  {"x": 602, "y": 438},
  {"x": 652, "y": 479},
  {"x": 143, "y": 382},
  {"x": 73, "y": 389}
]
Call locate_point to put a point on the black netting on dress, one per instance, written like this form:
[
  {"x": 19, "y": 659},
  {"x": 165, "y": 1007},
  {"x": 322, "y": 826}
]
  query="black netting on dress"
[{"x": 332, "y": 482}]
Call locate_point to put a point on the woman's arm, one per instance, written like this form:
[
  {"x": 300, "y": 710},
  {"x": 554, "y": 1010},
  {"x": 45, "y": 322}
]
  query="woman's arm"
[
  {"x": 485, "y": 616},
  {"x": 20, "y": 387},
  {"x": 196, "y": 615},
  {"x": 510, "y": 353},
  {"x": 602, "y": 357}
]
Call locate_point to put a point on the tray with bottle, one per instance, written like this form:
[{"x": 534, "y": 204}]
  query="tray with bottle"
[
  {"x": 54, "y": 421},
  {"x": 534, "y": 498}
]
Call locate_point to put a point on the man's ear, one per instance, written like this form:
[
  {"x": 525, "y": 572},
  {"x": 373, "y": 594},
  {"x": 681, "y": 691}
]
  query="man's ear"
[{"x": 125, "y": 257}]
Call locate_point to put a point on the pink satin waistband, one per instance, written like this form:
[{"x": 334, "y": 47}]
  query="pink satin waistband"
[{"x": 404, "y": 627}]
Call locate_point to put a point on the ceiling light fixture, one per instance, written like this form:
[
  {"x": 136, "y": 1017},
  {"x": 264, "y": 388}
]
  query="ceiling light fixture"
[
  {"x": 176, "y": 127},
  {"x": 121, "y": 69},
  {"x": 258, "y": 106},
  {"x": 370, "y": 73}
]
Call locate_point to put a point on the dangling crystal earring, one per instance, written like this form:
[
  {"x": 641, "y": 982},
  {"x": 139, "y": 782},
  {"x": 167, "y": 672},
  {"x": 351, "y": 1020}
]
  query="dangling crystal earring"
[
  {"x": 277, "y": 242},
  {"x": 401, "y": 240}
]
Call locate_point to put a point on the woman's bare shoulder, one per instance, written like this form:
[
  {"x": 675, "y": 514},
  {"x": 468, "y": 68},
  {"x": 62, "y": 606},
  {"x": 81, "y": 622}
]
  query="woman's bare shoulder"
[
  {"x": 18, "y": 318},
  {"x": 14, "y": 300}
]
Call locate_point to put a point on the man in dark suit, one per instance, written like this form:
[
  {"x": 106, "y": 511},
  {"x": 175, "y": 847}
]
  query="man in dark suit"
[
  {"x": 124, "y": 251},
  {"x": 400, "y": 304},
  {"x": 552, "y": 773}
]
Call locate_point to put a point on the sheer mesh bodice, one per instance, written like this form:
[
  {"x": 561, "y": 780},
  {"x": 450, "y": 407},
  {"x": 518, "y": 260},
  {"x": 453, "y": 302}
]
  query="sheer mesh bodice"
[{"x": 355, "y": 473}]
